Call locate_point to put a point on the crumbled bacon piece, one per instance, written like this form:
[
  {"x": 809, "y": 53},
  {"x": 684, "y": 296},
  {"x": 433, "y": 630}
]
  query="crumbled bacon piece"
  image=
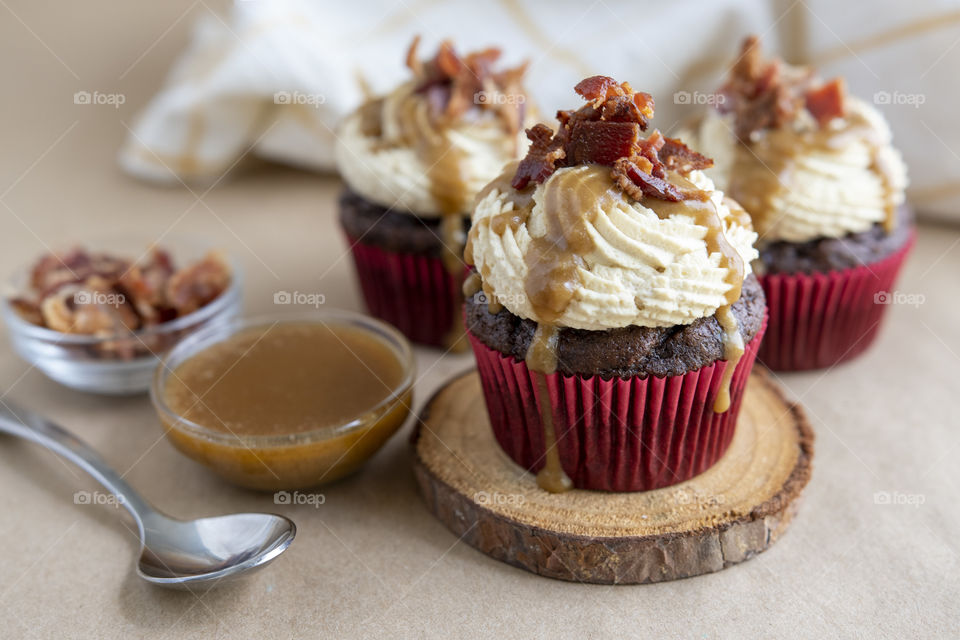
[
  {"x": 198, "y": 285},
  {"x": 75, "y": 265},
  {"x": 509, "y": 83},
  {"x": 755, "y": 92},
  {"x": 677, "y": 156},
  {"x": 89, "y": 307},
  {"x": 617, "y": 101},
  {"x": 413, "y": 62},
  {"x": 143, "y": 285},
  {"x": 826, "y": 102},
  {"x": 447, "y": 62},
  {"x": 601, "y": 90},
  {"x": 453, "y": 84},
  {"x": 541, "y": 160},
  {"x": 29, "y": 310},
  {"x": 598, "y": 89},
  {"x": 600, "y": 142},
  {"x": 767, "y": 95},
  {"x": 650, "y": 149},
  {"x": 637, "y": 182},
  {"x": 607, "y": 131}
]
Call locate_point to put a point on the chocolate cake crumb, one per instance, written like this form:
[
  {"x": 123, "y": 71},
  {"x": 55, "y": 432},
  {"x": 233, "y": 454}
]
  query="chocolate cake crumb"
[
  {"x": 389, "y": 229},
  {"x": 835, "y": 254},
  {"x": 625, "y": 352}
]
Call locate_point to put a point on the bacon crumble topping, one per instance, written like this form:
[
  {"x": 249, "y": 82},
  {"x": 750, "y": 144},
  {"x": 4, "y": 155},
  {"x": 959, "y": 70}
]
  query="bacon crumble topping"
[
  {"x": 97, "y": 293},
  {"x": 608, "y": 131},
  {"x": 826, "y": 101},
  {"x": 454, "y": 84},
  {"x": 762, "y": 96}
]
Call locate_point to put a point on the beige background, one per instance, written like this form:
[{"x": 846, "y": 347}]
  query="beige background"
[{"x": 371, "y": 560}]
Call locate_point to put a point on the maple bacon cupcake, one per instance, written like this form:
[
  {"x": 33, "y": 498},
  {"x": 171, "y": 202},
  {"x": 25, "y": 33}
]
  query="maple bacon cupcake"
[
  {"x": 413, "y": 161},
  {"x": 815, "y": 169},
  {"x": 612, "y": 312}
]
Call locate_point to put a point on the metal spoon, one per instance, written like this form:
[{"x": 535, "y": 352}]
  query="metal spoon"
[{"x": 173, "y": 553}]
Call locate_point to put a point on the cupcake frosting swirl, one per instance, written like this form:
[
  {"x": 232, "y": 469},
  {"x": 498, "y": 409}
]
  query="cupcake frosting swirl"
[
  {"x": 431, "y": 144},
  {"x": 631, "y": 263},
  {"x": 806, "y": 160},
  {"x": 801, "y": 183},
  {"x": 393, "y": 153}
]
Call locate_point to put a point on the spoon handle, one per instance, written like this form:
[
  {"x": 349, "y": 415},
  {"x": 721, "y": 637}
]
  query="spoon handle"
[{"x": 33, "y": 427}]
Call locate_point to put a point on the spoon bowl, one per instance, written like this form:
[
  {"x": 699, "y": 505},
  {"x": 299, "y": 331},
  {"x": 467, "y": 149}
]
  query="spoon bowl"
[
  {"x": 173, "y": 553},
  {"x": 180, "y": 553}
]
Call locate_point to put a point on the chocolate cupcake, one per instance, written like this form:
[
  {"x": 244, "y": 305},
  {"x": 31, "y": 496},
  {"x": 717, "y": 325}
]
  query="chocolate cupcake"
[
  {"x": 612, "y": 311},
  {"x": 816, "y": 171},
  {"x": 413, "y": 161}
]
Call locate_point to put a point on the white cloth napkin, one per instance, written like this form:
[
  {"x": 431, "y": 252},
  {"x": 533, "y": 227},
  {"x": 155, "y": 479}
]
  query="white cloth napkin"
[{"x": 274, "y": 77}]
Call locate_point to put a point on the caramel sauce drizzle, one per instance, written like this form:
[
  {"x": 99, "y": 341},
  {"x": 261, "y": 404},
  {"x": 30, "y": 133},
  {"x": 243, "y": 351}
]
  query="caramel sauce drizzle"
[
  {"x": 541, "y": 357},
  {"x": 472, "y": 285},
  {"x": 448, "y": 186},
  {"x": 733, "y": 346},
  {"x": 882, "y": 168},
  {"x": 706, "y": 215},
  {"x": 371, "y": 118},
  {"x": 571, "y": 201},
  {"x": 733, "y": 349},
  {"x": 542, "y": 361}
]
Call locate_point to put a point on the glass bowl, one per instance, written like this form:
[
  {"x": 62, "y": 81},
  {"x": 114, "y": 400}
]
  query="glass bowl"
[
  {"x": 291, "y": 461},
  {"x": 123, "y": 363}
]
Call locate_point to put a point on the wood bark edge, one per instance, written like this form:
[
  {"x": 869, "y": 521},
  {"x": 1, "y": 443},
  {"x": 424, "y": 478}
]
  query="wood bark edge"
[{"x": 621, "y": 559}]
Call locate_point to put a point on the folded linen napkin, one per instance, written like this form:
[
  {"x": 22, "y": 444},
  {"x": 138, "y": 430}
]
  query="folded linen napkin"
[{"x": 274, "y": 77}]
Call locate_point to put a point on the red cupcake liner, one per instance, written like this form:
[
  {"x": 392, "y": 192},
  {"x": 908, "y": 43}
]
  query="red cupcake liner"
[
  {"x": 818, "y": 320},
  {"x": 632, "y": 434},
  {"x": 413, "y": 292}
]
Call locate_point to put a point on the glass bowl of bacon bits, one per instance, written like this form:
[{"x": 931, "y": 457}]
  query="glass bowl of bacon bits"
[{"x": 99, "y": 319}]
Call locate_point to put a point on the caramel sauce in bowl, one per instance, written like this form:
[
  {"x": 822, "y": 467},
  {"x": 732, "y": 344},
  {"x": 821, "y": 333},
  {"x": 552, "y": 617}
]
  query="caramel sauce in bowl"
[{"x": 286, "y": 402}]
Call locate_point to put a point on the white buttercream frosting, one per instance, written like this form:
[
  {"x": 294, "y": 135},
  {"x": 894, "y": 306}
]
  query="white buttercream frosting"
[
  {"x": 417, "y": 167},
  {"x": 799, "y": 183},
  {"x": 642, "y": 267}
]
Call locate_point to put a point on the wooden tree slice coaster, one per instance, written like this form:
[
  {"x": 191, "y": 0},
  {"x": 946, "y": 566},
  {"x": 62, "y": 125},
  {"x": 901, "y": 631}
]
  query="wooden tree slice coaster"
[{"x": 728, "y": 514}]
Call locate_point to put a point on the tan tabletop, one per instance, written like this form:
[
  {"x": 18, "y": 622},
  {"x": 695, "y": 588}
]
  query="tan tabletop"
[{"x": 370, "y": 559}]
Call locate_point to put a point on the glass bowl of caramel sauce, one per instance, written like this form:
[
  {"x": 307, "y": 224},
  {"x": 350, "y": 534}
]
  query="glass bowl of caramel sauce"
[{"x": 286, "y": 402}]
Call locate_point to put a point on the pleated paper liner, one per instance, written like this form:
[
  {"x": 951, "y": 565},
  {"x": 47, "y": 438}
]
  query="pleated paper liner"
[
  {"x": 632, "y": 434},
  {"x": 413, "y": 292},
  {"x": 820, "y": 319}
]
